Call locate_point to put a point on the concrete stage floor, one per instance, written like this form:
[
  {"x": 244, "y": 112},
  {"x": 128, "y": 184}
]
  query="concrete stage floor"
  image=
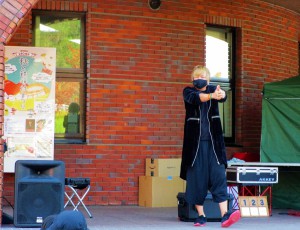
[{"x": 142, "y": 218}]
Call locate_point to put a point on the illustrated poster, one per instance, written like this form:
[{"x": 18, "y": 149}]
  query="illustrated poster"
[{"x": 29, "y": 99}]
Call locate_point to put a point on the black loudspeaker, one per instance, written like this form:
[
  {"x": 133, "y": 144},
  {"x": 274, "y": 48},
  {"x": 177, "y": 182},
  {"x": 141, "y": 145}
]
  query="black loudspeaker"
[
  {"x": 7, "y": 219},
  {"x": 188, "y": 212},
  {"x": 39, "y": 191}
]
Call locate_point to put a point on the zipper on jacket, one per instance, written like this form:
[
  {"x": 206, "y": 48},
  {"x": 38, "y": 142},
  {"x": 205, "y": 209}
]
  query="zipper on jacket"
[
  {"x": 199, "y": 119},
  {"x": 212, "y": 140}
]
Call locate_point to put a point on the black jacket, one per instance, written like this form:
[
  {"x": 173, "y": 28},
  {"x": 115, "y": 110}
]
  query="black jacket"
[{"x": 192, "y": 127}]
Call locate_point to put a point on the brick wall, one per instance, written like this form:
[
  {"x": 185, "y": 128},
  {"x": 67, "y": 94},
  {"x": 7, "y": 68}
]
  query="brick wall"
[
  {"x": 12, "y": 14},
  {"x": 139, "y": 60}
]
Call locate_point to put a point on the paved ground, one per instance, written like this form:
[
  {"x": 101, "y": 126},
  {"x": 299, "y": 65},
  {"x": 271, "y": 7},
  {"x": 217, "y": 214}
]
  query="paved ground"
[{"x": 141, "y": 218}]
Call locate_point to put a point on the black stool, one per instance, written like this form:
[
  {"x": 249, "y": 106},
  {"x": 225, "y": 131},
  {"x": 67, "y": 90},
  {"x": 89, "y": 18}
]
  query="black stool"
[{"x": 75, "y": 184}]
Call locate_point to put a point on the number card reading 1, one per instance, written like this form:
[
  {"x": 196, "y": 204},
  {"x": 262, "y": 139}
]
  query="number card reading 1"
[{"x": 254, "y": 206}]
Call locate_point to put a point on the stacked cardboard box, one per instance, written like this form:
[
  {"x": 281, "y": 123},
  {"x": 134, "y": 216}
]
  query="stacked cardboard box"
[{"x": 161, "y": 184}]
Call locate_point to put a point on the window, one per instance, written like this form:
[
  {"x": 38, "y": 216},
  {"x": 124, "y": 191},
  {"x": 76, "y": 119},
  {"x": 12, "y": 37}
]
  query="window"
[
  {"x": 65, "y": 32},
  {"x": 298, "y": 57},
  {"x": 220, "y": 43}
]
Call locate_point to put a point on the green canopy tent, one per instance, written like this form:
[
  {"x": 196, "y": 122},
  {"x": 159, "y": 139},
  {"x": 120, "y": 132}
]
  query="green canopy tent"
[{"x": 280, "y": 137}]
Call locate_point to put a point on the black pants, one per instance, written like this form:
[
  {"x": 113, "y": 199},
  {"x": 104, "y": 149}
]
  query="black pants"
[{"x": 206, "y": 175}]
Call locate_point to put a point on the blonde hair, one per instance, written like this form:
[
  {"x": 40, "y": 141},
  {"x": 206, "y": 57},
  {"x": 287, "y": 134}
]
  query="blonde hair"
[{"x": 200, "y": 70}]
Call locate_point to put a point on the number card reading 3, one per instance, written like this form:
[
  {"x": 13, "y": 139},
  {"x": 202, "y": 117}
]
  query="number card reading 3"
[{"x": 254, "y": 206}]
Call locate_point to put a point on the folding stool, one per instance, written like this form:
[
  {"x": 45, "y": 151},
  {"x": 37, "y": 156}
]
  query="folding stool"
[{"x": 76, "y": 184}]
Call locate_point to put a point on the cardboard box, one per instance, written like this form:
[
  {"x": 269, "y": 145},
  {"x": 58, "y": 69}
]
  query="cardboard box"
[
  {"x": 163, "y": 167},
  {"x": 159, "y": 191}
]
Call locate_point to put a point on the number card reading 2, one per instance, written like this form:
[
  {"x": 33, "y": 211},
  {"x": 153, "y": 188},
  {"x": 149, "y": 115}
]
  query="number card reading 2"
[{"x": 253, "y": 206}]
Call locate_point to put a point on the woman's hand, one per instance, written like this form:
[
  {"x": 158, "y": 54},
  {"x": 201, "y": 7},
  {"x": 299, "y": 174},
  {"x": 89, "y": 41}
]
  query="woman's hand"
[{"x": 219, "y": 93}]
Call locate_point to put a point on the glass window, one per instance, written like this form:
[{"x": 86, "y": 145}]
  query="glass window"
[
  {"x": 65, "y": 32},
  {"x": 298, "y": 57},
  {"x": 220, "y": 61}
]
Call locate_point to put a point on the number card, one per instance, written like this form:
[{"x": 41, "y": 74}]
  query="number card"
[{"x": 254, "y": 206}]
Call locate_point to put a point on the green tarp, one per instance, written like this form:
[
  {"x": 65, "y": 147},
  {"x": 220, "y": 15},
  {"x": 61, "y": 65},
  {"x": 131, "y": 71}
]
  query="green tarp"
[{"x": 280, "y": 137}]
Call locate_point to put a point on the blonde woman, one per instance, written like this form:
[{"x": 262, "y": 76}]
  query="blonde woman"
[{"x": 203, "y": 154}]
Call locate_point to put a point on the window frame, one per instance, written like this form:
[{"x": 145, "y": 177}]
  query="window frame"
[
  {"x": 71, "y": 74},
  {"x": 298, "y": 57},
  {"x": 229, "y": 84}
]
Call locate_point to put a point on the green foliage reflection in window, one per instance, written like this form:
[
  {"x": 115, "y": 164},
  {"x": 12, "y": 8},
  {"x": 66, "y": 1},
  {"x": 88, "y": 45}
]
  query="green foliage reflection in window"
[
  {"x": 64, "y": 34},
  {"x": 67, "y": 106}
]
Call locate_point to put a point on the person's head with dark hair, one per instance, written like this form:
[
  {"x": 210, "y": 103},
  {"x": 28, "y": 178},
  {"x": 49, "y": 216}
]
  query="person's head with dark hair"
[
  {"x": 66, "y": 220},
  {"x": 74, "y": 108}
]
